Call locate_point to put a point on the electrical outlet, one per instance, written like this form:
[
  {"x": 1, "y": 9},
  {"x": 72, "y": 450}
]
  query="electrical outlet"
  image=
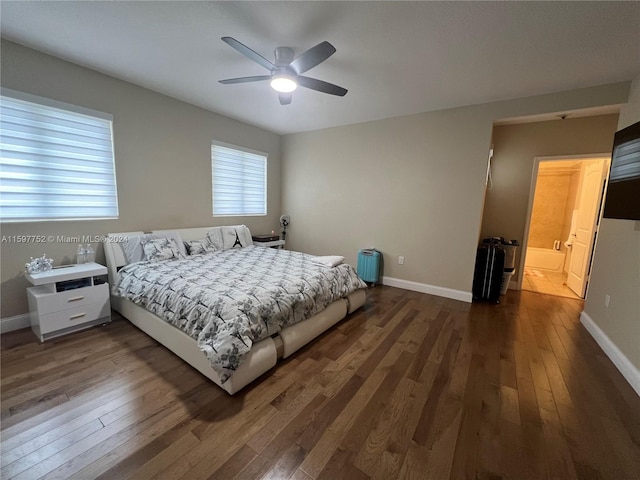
[
  {"x": 607, "y": 300},
  {"x": 400, "y": 260}
]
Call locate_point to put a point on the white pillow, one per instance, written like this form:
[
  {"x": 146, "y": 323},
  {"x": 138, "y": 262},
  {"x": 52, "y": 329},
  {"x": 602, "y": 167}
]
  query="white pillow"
[
  {"x": 214, "y": 237},
  {"x": 237, "y": 236}
]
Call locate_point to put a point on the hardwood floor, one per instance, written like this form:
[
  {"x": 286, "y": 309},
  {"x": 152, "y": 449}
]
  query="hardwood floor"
[{"x": 412, "y": 386}]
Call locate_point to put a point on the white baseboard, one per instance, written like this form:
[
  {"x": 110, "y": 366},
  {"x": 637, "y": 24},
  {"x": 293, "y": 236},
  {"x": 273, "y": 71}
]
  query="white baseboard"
[
  {"x": 430, "y": 289},
  {"x": 16, "y": 322},
  {"x": 622, "y": 363}
]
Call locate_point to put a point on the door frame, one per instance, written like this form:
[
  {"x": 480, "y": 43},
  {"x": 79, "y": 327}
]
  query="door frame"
[{"x": 532, "y": 191}]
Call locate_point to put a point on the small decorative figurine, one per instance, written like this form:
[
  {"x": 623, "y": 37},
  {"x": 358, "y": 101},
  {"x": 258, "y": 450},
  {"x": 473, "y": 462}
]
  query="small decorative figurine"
[{"x": 38, "y": 265}]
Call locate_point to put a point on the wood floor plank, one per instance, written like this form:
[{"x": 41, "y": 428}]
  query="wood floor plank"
[
  {"x": 437, "y": 395},
  {"x": 282, "y": 418},
  {"x": 358, "y": 433},
  {"x": 235, "y": 464},
  {"x": 156, "y": 465},
  {"x": 141, "y": 442},
  {"x": 511, "y": 450},
  {"x": 318, "y": 457},
  {"x": 465, "y": 453},
  {"x": 56, "y": 422},
  {"x": 300, "y": 475},
  {"x": 415, "y": 464},
  {"x": 286, "y": 438},
  {"x": 509, "y": 404},
  {"x": 531, "y": 425},
  {"x": 98, "y": 445},
  {"x": 410, "y": 386},
  {"x": 340, "y": 466},
  {"x": 12, "y": 469},
  {"x": 288, "y": 463},
  {"x": 561, "y": 466},
  {"x": 556, "y": 380},
  {"x": 371, "y": 454},
  {"x": 442, "y": 447},
  {"x": 489, "y": 452},
  {"x": 199, "y": 461},
  {"x": 328, "y": 413}
]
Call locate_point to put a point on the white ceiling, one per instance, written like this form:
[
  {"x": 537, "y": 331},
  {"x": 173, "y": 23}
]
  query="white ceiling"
[{"x": 395, "y": 58}]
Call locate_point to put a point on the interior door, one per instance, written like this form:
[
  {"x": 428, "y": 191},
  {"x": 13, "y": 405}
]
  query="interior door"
[{"x": 586, "y": 226}]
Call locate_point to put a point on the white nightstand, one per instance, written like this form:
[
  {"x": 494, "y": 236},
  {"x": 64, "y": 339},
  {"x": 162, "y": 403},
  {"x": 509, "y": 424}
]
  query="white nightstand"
[{"x": 67, "y": 299}]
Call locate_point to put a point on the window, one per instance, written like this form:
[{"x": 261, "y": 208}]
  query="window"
[
  {"x": 239, "y": 181},
  {"x": 56, "y": 161}
]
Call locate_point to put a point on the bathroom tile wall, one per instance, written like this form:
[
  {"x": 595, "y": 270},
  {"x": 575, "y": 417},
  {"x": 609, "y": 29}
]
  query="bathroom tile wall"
[{"x": 549, "y": 218}]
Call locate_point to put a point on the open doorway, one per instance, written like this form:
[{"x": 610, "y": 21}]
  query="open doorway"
[{"x": 564, "y": 214}]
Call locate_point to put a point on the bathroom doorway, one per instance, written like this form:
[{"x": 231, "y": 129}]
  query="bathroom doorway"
[{"x": 564, "y": 214}]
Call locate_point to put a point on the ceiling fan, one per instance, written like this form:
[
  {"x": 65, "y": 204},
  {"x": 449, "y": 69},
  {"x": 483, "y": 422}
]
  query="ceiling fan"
[{"x": 286, "y": 72}]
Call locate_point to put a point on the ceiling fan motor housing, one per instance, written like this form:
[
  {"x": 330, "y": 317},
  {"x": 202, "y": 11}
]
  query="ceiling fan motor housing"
[
  {"x": 285, "y": 71},
  {"x": 283, "y": 55}
]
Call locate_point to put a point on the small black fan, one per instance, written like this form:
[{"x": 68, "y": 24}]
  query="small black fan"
[
  {"x": 286, "y": 73},
  {"x": 285, "y": 220}
]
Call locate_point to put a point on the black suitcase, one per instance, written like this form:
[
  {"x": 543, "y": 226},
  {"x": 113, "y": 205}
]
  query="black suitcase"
[{"x": 487, "y": 277}]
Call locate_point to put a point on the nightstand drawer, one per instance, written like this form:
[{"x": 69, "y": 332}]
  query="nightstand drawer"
[
  {"x": 47, "y": 303},
  {"x": 73, "y": 317}
]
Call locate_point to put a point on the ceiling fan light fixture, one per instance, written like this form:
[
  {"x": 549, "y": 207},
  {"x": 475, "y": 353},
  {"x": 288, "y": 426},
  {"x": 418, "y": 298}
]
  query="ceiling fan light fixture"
[
  {"x": 283, "y": 83},
  {"x": 286, "y": 72}
]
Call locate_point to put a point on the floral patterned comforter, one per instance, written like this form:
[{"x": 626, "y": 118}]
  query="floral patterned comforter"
[{"x": 227, "y": 300}]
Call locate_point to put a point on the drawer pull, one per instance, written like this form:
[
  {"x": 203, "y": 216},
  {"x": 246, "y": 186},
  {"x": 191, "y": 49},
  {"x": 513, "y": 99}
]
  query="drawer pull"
[
  {"x": 75, "y": 299},
  {"x": 79, "y": 315}
]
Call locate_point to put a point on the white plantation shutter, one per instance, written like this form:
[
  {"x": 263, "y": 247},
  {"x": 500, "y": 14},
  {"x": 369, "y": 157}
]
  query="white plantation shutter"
[
  {"x": 56, "y": 161},
  {"x": 239, "y": 181}
]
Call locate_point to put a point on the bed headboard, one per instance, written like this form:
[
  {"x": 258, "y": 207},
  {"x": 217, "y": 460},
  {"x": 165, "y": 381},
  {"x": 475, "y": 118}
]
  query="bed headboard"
[
  {"x": 197, "y": 233},
  {"x": 115, "y": 254}
]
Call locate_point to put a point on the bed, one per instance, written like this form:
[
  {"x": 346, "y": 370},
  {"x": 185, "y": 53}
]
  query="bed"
[{"x": 282, "y": 336}]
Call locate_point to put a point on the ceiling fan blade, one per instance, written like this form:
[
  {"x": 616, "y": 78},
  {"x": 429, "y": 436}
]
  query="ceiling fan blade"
[
  {"x": 320, "y": 86},
  {"x": 247, "y": 52},
  {"x": 257, "y": 78},
  {"x": 312, "y": 57},
  {"x": 285, "y": 98}
]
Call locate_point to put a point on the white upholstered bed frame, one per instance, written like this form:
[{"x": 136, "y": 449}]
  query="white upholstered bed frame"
[{"x": 263, "y": 355}]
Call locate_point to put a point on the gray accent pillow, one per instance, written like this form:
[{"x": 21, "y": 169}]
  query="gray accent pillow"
[
  {"x": 157, "y": 249},
  {"x": 198, "y": 247},
  {"x": 175, "y": 236},
  {"x": 132, "y": 246}
]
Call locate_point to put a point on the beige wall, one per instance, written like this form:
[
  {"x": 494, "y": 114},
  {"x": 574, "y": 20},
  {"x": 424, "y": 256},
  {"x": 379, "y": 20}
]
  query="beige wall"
[
  {"x": 163, "y": 162},
  {"x": 405, "y": 186},
  {"x": 515, "y": 147},
  {"x": 414, "y": 185},
  {"x": 549, "y": 211},
  {"x": 616, "y": 269}
]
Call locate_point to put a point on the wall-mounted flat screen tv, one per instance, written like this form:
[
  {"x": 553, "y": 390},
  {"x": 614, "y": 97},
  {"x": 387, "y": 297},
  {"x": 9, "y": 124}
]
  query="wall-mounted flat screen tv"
[{"x": 623, "y": 192}]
